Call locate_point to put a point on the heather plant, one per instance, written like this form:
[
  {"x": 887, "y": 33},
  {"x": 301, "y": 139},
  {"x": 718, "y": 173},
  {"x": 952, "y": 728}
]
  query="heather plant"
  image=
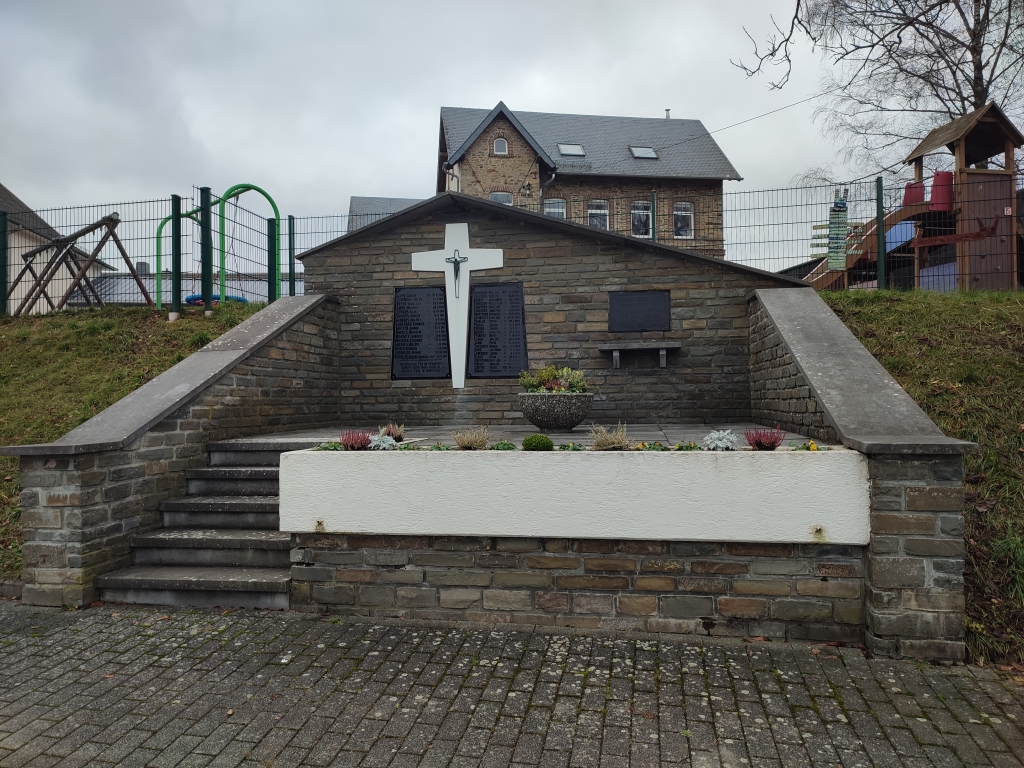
[
  {"x": 356, "y": 440},
  {"x": 609, "y": 440},
  {"x": 764, "y": 439},
  {"x": 553, "y": 379},
  {"x": 474, "y": 439},
  {"x": 720, "y": 440},
  {"x": 538, "y": 443},
  {"x": 395, "y": 431}
]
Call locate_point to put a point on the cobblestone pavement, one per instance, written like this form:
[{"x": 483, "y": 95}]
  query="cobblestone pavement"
[{"x": 131, "y": 686}]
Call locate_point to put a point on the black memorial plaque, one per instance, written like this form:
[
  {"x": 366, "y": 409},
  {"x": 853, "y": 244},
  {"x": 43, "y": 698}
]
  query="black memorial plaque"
[
  {"x": 639, "y": 311},
  {"x": 497, "y": 331},
  {"x": 419, "y": 347}
]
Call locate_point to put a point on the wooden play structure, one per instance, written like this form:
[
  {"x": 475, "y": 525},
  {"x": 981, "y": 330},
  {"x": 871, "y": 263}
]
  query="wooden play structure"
[
  {"x": 62, "y": 254},
  {"x": 966, "y": 236}
]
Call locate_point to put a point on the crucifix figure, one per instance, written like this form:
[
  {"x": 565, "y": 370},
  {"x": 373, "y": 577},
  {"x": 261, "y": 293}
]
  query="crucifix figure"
[{"x": 455, "y": 255}]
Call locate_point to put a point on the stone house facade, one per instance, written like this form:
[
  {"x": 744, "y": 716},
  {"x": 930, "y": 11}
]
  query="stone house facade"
[{"x": 592, "y": 170}]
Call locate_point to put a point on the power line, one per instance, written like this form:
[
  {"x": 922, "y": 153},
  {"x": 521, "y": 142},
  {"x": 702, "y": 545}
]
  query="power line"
[{"x": 742, "y": 122}]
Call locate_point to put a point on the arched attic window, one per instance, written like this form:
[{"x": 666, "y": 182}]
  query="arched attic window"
[{"x": 500, "y": 146}]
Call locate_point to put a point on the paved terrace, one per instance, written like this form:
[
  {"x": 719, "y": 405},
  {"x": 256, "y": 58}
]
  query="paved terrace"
[{"x": 133, "y": 686}]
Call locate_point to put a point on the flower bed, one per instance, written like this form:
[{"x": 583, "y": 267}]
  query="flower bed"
[{"x": 752, "y": 496}]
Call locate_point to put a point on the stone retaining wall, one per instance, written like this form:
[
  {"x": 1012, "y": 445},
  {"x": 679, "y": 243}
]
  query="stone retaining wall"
[
  {"x": 795, "y": 591},
  {"x": 79, "y": 509},
  {"x": 779, "y": 392}
]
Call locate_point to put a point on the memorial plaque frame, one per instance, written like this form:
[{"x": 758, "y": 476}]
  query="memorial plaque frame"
[
  {"x": 512, "y": 364},
  {"x": 432, "y": 367},
  {"x": 637, "y": 311}
]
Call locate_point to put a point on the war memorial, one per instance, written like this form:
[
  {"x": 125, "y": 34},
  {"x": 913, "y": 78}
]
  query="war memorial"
[{"x": 205, "y": 486}]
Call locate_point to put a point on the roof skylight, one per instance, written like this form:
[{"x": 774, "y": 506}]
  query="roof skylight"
[
  {"x": 571, "y": 150},
  {"x": 646, "y": 153}
]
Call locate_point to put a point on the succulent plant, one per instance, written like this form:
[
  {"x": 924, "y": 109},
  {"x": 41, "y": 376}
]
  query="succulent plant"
[
  {"x": 382, "y": 443},
  {"x": 720, "y": 440}
]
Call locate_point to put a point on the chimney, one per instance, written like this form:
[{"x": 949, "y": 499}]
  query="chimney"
[{"x": 668, "y": 116}]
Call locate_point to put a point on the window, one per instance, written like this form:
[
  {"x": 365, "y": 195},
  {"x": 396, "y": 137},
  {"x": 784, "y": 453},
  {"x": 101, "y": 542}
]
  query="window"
[
  {"x": 554, "y": 207},
  {"x": 500, "y": 147},
  {"x": 640, "y": 219},
  {"x": 505, "y": 198},
  {"x": 644, "y": 153},
  {"x": 571, "y": 150},
  {"x": 682, "y": 221},
  {"x": 597, "y": 213}
]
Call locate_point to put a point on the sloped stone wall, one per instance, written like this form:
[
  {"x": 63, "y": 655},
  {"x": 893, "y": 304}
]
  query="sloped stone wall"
[{"x": 79, "y": 509}]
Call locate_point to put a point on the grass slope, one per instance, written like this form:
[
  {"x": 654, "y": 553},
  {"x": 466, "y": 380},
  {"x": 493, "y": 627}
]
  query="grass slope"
[
  {"x": 961, "y": 357},
  {"x": 58, "y": 370}
]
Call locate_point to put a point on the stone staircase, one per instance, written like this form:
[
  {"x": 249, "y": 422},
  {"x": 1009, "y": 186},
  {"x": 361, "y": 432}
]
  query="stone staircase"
[{"x": 220, "y": 544}]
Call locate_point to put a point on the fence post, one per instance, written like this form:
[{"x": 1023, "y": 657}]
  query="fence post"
[
  {"x": 206, "y": 247},
  {"x": 654, "y": 217},
  {"x": 4, "y": 265},
  {"x": 880, "y": 232},
  {"x": 291, "y": 255},
  {"x": 272, "y": 271},
  {"x": 175, "y": 257}
]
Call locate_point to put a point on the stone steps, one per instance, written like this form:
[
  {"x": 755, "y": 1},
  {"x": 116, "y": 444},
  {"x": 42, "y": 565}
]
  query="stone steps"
[
  {"x": 232, "y": 481},
  {"x": 212, "y": 547},
  {"x": 220, "y": 544},
  {"x": 236, "y": 587},
  {"x": 245, "y": 512}
]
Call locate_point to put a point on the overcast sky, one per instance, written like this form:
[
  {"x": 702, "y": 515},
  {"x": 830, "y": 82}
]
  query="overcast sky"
[{"x": 104, "y": 101}]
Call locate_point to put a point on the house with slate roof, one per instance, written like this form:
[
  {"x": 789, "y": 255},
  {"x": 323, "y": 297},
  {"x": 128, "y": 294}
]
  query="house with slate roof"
[
  {"x": 614, "y": 173},
  {"x": 26, "y": 231}
]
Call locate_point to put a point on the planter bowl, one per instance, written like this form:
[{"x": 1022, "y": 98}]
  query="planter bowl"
[{"x": 555, "y": 412}]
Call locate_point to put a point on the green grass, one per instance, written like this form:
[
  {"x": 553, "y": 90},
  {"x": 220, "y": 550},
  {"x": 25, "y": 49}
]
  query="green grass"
[
  {"x": 59, "y": 370},
  {"x": 961, "y": 357}
]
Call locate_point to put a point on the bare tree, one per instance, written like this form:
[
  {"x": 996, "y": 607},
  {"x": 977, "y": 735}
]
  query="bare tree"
[{"x": 898, "y": 68}]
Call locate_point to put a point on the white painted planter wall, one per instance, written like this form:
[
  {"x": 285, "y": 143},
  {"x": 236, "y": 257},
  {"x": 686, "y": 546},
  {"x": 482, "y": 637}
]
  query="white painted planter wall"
[{"x": 783, "y": 496}]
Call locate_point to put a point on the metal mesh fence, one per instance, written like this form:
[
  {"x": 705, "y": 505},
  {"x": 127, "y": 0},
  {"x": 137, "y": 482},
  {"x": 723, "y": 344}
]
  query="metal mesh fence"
[{"x": 941, "y": 234}]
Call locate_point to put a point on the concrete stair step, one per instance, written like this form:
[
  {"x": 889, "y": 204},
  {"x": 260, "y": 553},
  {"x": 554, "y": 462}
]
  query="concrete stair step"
[
  {"x": 212, "y": 547},
  {"x": 237, "y": 512},
  {"x": 197, "y": 586},
  {"x": 233, "y": 481},
  {"x": 264, "y": 451}
]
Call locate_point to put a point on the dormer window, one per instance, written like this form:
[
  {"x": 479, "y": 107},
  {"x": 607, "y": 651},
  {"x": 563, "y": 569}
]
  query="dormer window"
[
  {"x": 571, "y": 150},
  {"x": 500, "y": 147},
  {"x": 644, "y": 153}
]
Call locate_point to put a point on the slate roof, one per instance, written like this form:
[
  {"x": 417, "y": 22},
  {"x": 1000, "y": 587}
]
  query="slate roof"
[
  {"x": 685, "y": 148},
  {"x": 366, "y": 210}
]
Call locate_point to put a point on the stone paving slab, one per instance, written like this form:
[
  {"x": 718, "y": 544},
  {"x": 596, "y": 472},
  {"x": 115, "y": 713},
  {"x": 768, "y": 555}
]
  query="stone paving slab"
[{"x": 135, "y": 686}]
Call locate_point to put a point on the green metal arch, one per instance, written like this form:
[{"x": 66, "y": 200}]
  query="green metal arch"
[
  {"x": 234, "y": 191},
  {"x": 159, "y": 253}
]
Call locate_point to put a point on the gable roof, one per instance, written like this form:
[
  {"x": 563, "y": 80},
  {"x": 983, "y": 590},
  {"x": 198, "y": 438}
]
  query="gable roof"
[
  {"x": 366, "y": 210},
  {"x": 685, "y": 148},
  {"x": 454, "y": 200},
  {"x": 946, "y": 135},
  {"x": 23, "y": 217}
]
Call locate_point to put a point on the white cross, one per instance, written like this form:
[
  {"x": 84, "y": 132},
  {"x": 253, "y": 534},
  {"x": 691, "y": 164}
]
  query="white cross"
[{"x": 457, "y": 260}]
